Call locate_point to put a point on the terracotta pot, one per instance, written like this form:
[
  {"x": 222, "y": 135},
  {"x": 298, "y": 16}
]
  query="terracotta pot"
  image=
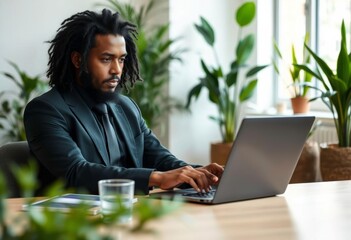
[
  {"x": 300, "y": 105},
  {"x": 307, "y": 168},
  {"x": 220, "y": 152},
  {"x": 335, "y": 162}
]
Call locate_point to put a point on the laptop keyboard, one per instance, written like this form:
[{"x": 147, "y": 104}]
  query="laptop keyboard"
[{"x": 209, "y": 194}]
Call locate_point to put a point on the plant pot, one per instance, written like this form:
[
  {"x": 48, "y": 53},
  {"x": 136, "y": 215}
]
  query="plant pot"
[
  {"x": 307, "y": 168},
  {"x": 335, "y": 162},
  {"x": 300, "y": 105},
  {"x": 220, "y": 152}
]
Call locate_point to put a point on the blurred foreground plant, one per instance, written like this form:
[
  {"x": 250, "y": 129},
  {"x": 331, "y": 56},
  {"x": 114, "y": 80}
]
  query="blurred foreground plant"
[{"x": 76, "y": 224}]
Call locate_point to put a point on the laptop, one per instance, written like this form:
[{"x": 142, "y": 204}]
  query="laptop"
[{"x": 260, "y": 164}]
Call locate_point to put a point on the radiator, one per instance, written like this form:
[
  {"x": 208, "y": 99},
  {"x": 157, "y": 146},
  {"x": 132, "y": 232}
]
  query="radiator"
[{"x": 325, "y": 133}]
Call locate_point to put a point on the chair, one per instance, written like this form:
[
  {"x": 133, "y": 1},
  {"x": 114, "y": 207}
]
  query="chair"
[{"x": 13, "y": 153}]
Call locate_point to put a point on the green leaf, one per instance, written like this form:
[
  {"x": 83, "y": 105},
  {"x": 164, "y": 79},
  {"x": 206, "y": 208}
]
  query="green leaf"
[
  {"x": 26, "y": 177},
  {"x": 231, "y": 78},
  {"x": 161, "y": 31},
  {"x": 205, "y": 68},
  {"x": 206, "y": 30},
  {"x": 6, "y": 106},
  {"x": 338, "y": 84},
  {"x": 244, "y": 49},
  {"x": 212, "y": 86},
  {"x": 343, "y": 62},
  {"x": 276, "y": 68},
  {"x": 194, "y": 93},
  {"x": 216, "y": 119},
  {"x": 211, "y": 79},
  {"x": 276, "y": 48},
  {"x": 255, "y": 70},
  {"x": 234, "y": 66},
  {"x": 294, "y": 71},
  {"x": 245, "y": 13},
  {"x": 305, "y": 84},
  {"x": 306, "y": 55},
  {"x": 343, "y": 66},
  {"x": 20, "y": 73},
  {"x": 10, "y": 76},
  {"x": 248, "y": 90},
  {"x": 307, "y": 69},
  {"x": 321, "y": 63}
]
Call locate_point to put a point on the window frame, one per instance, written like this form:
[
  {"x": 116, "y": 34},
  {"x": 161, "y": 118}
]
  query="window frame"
[{"x": 312, "y": 14}]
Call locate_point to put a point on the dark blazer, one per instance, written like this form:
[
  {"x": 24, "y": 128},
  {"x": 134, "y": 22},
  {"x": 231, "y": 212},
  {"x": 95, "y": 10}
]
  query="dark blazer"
[{"x": 64, "y": 136}]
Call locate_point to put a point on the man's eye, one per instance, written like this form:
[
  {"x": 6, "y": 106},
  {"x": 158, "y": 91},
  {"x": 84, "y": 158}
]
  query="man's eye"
[
  {"x": 106, "y": 59},
  {"x": 122, "y": 60}
]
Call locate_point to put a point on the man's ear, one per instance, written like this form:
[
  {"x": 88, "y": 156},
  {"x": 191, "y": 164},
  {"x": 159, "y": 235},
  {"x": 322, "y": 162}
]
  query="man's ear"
[{"x": 76, "y": 59}]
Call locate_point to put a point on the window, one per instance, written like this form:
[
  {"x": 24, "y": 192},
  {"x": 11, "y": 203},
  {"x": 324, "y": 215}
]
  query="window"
[
  {"x": 330, "y": 15},
  {"x": 290, "y": 29},
  {"x": 322, "y": 20}
]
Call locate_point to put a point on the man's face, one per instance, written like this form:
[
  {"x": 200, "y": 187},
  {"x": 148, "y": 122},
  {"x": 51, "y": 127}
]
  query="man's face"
[{"x": 105, "y": 63}]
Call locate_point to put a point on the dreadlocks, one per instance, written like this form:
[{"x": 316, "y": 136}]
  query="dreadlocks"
[{"x": 77, "y": 33}]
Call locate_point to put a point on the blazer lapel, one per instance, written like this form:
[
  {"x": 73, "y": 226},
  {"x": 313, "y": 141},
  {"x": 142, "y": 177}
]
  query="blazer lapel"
[
  {"x": 127, "y": 132},
  {"x": 87, "y": 119}
]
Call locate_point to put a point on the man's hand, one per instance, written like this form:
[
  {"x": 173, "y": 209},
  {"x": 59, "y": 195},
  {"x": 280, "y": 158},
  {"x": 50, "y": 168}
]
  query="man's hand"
[
  {"x": 200, "y": 178},
  {"x": 215, "y": 169}
]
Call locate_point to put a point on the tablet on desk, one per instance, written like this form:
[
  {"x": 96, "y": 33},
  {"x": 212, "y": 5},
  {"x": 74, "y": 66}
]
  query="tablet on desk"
[{"x": 67, "y": 202}]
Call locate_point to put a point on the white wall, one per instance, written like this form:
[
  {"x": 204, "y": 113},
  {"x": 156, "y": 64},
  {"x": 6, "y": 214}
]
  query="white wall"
[{"x": 26, "y": 25}]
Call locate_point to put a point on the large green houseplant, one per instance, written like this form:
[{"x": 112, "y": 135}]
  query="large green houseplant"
[
  {"x": 228, "y": 90},
  {"x": 336, "y": 94},
  {"x": 299, "y": 81},
  {"x": 154, "y": 55},
  {"x": 13, "y": 102}
]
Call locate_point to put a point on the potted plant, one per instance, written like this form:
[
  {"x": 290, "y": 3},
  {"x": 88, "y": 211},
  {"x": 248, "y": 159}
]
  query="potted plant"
[
  {"x": 12, "y": 103},
  {"x": 226, "y": 90},
  {"x": 154, "y": 56},
  {"x": 336, "y": 94},
  {"x": 299, "y": 80},
  {"x": 308, "y": 165}
]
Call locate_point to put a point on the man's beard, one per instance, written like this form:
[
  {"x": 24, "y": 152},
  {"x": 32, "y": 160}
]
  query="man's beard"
[{"x": 95, "y": 93}]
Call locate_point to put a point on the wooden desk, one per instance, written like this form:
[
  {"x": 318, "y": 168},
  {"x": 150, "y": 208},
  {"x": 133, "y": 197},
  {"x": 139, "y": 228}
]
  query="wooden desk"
[{"x": 306, "y": 211}]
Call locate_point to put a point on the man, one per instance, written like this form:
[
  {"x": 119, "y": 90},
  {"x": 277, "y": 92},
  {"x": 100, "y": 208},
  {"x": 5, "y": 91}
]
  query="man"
[{"x": 91, "y": 58}]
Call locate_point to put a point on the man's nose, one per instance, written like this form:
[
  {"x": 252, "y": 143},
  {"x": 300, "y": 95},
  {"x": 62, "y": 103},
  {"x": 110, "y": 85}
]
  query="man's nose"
[{"x": 116, "y": 68}]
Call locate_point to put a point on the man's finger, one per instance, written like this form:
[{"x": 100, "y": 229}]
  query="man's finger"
[
  {"x": 200, "y": 179},
  {"x": 191, "y": 182},
  {"x": 212, "y": 177}
]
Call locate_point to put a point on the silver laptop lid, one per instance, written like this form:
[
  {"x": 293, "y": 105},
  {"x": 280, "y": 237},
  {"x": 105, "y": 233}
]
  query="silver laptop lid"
[{"x": 263, "y": 157}]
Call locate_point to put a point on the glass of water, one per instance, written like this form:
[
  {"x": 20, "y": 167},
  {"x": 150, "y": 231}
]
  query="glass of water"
[{"x": 116, "y": 197}]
